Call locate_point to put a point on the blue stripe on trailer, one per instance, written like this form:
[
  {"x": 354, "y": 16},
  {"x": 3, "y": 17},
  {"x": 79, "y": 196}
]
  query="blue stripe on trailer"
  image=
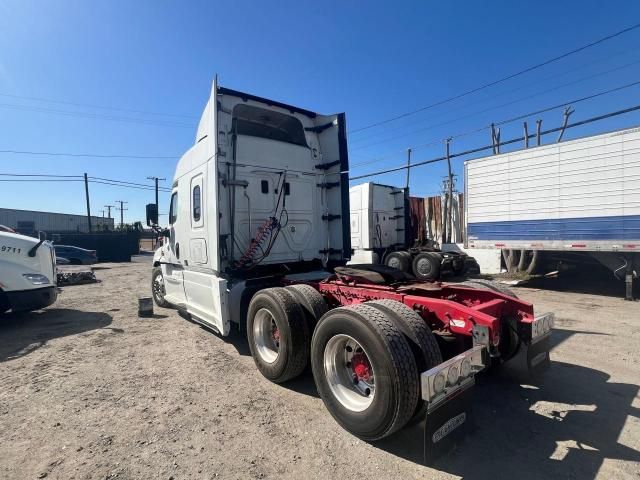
[{"x": 592, "y": 228}]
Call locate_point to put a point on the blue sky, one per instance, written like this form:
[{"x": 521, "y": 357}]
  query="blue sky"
[{"x": 372, "y": 60}]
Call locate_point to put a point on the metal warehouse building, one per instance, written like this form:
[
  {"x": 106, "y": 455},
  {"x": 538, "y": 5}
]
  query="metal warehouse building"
[{"x": 29, "y": 222}]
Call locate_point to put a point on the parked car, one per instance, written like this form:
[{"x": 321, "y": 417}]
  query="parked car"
[{"x": 76, "y": 255}]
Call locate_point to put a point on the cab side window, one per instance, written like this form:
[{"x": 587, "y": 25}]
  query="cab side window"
[
  {"x": 196, "y": 203},
  {"x": 173, "y": 209}
]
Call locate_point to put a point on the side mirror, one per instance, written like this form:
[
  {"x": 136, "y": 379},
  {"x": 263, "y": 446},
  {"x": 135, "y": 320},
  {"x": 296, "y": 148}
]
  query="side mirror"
[
  {"x": 152, "y": 214},
  {"x": 165, "y": 233}
]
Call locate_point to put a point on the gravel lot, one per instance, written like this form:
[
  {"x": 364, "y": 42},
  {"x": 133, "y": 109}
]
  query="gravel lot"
[{"x": 91, "y": 391}]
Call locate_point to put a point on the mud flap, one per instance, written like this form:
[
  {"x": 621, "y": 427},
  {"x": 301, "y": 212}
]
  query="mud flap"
[
  {"x": 533, "y": 359},
  {"x": 447, "y": 424}
]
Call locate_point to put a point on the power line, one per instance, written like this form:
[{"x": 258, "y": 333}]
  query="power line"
[
  {"x": 148, "y": 188},
  {"x": 502, "y": 92},
  {"x": 560, "y": 105},
  {"x": 91, "y": 155},
  {"x": 39, "y": 180},
  {"x": 37, "y": 175},
  {"x": 94, "y": 116},
  {"x": 77, "y": 104},
  {"x": 528, "y": 97},
  {"x": 129, "y": 183},
  {"x": 501, "y": 80},
  {"x": 507, "y": 142},
  {"x": 544, "y": 110},
  {"x": 76, "y": 178}
]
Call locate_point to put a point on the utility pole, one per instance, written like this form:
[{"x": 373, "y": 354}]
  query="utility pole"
[
  {"x": 122, "y": 209},
  {"x": 448, "y": 197},
  {"x": 408, "y": 167},
  {"x": 109, "y": 207},
  {"x": 86, "y": 191},
  {"x": 156, "y": 179}
]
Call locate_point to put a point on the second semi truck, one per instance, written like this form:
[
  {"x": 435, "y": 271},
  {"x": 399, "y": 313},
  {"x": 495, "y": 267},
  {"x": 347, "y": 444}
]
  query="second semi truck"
[{"x": 382, "y": 233}]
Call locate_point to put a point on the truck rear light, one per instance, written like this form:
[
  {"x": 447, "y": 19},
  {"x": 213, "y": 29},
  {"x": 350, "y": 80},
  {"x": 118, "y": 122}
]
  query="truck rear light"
[
  {"x": 449, "y": 377},
  {"x": 630, "y": 245},
  {"x": 92, "y": 253},
  {"x": 541, "y": 326}
]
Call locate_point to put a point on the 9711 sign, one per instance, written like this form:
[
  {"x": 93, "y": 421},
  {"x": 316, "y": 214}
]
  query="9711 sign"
[{"x": 9, "y": 249}]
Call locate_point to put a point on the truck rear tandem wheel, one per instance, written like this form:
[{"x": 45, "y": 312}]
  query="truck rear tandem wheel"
[
  {"x": 278, "y": 334},
  {"x": 421, "y": 340},
  {"x": 375, "y": 359},
  {"x": 365, "y": 371},
  {"x": 400, "y": 260},
  {"x": 310, "y": 300},
  {"x": 426, "y": 265}
]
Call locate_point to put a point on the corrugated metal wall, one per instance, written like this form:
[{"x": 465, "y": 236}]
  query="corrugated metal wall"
[
  {"x": 25, "y": 220},
  {"x": 434, "y": 215}
]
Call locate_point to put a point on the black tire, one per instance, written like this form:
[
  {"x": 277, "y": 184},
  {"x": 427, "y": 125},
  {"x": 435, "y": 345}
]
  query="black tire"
[
  {"x": 4, "y": 303},
  {"x": 400, "y": 260},
  {"x": 397, "y": 385},
  {"x": 157, "y": 288},
  {"x": 419, "y": 336},
  {"x": 293, "y": 334},
  {"x": 426, "y": 265},
  {"x": 458, "y": 265},
  {"x": 311, "y": 302},
  {"x": 489, "y": 285}
]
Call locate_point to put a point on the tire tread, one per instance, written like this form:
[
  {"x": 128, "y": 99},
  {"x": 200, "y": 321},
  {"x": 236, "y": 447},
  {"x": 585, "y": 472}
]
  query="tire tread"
[
  {"x": 298, "y": 354},
  {"x": 407, "y": 379}
]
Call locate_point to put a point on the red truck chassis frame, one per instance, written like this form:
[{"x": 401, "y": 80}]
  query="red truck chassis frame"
[{"x": 447, "y": 308}]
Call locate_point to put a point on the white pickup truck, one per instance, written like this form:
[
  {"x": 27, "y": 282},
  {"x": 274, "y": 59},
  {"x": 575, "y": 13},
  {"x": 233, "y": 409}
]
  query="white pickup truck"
[{"x": 27, "y": 273}]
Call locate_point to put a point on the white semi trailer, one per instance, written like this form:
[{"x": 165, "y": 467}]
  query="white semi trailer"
[
  {"x": 257, "y": 241},
  {"x": 567, "y": 202},
  {"x": 27, "y": 273}
]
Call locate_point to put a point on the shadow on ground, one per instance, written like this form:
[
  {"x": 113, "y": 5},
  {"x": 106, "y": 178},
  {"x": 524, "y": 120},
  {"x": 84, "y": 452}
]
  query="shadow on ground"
[
  {"x": 23, "y": 333},
  {"x": 303, "y": 384},
  {"x": 587, "y": 279},
  {"x": 566, "y": 427}
]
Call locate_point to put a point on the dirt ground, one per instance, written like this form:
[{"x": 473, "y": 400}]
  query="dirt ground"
[{"x": 90, "y": 391}]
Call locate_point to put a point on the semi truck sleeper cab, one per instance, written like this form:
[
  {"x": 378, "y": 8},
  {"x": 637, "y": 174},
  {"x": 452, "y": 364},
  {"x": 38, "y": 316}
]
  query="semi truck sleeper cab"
[{"x": 259, "y": 238}]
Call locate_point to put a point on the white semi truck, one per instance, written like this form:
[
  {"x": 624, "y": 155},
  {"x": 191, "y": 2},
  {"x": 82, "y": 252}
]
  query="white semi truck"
[
  {"x": 27, "y": 273},
  {"x": 381, "y": 233},
  {"x": 257, "y": 241},
  {"x": 569, "y": 202}
]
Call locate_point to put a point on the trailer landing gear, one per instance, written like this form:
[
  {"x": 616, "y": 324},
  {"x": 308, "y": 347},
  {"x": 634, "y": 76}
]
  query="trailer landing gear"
[{"x": 628, "y": 280}]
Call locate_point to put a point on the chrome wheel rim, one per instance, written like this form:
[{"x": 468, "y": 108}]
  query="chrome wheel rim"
[
  {"x": 393, "y": 262},
  {"x": 158, "y": 287},
  {"x": 349, "y": 373},
  {"x": 423, "y": 266},
  {"x": 266, "y": 335}
]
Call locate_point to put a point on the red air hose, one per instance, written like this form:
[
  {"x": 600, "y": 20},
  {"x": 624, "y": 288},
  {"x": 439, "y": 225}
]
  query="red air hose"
[{"x": 265, "y": 229}]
